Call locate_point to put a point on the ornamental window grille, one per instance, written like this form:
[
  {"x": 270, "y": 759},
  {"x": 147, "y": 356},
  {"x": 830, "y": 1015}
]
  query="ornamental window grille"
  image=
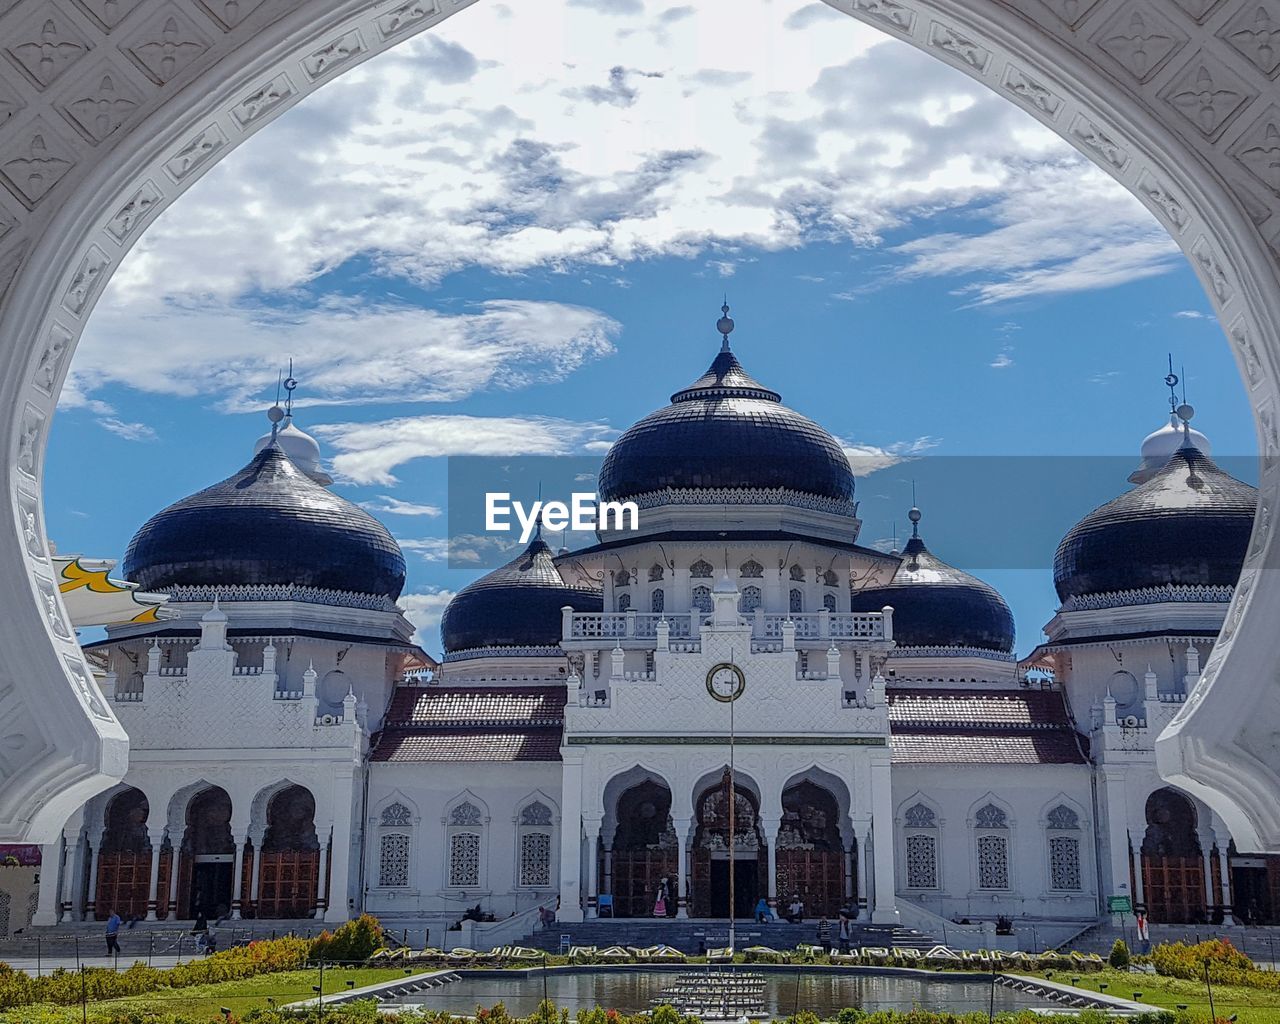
[
  {"x": 624, "y": 602},
  {"x": 797, "y": 573},
  {"x": 829, "y": 602},
  {"x": 1064, "y": 863},
  {"x": 536, "y": 813},
  {"x": 831, "y": 578},
  {"x": 464, "y": 859},
  {"x": 657, "y": 600},
  {"x": 700, "y": 570},
  {"x": 702, "y": 599},
  {"x": 655, "y": 572},
  {"x": 466, "y": 813},
  {"x": 535, "y": 859},
  {"x": 622, "y": 579},
  {"x": 397, "y": 815},
  {"x": 750, "y": 600},
  {"x": 922, "y": 862},
  {"x": 797, "y": 600},
  {"x": 751, "y": 569},
  {"x": 993, "y": 862},
  {"x": 920, "y": 816},
  {"x": 1063, "y": 817},
  {"x": 393, "y": 860},
  {"x": 991, "y": 816}
]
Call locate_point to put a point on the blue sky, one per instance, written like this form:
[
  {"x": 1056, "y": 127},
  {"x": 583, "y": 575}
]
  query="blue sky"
[{"x": 514, "y": 235}]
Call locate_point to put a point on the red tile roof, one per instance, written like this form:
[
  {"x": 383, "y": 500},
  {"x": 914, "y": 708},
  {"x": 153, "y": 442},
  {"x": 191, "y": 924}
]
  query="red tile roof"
[
  {"x": 476, "y": 705},
  {"x": 468, "y": 745},
  {"x": 933, "y": 726}
]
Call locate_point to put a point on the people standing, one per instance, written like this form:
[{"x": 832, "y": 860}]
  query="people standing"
[
  {"x": 824, "y": 933},
  {"x": 844, "y": 931},
  {"x": 795, "y": 911},
  {"x": 113, "y": 934},
  {"x": 660, "y": 903}
]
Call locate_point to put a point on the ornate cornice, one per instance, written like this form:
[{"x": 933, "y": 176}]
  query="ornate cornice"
[
  {"x": 744, "y": 496},
  {"x": 1168, "y": 594},
  {"x": 279, "y": 592}
]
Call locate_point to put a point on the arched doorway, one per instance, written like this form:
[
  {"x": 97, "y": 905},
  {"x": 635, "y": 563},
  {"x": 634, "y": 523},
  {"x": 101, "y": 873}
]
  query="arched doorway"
[
  {"x": 289, "y": 864},
  {"x": 713, "y": 860},
  {"x": 645, "y": 851},
  {"x": 208, "y": 856},
  {"x": 124, "y": 858},
  {"x": 811, "y": 858},
  {"x": 1172, "y": 861}
]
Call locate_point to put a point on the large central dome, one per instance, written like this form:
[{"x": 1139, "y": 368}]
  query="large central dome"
[{"x": 727, "y": 432}]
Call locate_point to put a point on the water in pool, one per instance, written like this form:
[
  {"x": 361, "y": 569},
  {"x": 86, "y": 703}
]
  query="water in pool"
[{"x": 630, "y": 990}]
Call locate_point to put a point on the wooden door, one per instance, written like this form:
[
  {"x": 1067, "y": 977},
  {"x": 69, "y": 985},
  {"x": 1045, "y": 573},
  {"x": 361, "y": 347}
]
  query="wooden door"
[
  {"x": 287, "y": 883},
  {"x": 636, "y": 877},
  {"x": 1174, "y": 889},
  {"x": 124, "y": 879},
  {"x": 817, "y": 876}
]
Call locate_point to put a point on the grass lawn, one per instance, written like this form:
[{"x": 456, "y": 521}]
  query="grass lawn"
[
  {"x": 1253, "y": 1005},
  {"x": 204, "y": 1001}
]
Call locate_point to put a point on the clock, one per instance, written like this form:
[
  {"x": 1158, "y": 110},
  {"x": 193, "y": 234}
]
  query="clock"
[{"x": 725, "y": 682}]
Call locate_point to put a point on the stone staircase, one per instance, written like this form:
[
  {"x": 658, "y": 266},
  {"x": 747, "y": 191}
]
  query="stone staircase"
[
  {"x": 1261, "y": 942},
  {"x": 694, "y": 936}
]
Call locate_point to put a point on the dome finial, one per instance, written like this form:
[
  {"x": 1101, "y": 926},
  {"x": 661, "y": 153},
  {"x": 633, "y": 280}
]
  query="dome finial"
[
  {"x": 289, "y": 385},
  {"x": 724, "y": 325},
  {"x": 1171, "y": 382},
  {"x": 1185, "y": 412},
  {"x": 914, "y": 514}
]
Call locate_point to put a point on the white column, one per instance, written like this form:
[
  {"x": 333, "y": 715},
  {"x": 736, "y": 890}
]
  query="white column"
[
  {"x": 321, "y": 871},
  {"x": 255, "y": 875},
  {"x": 72, "y": 907},
  {"x": 771, "y": 827},
  {"x": 95, "y": 851},
  {"x": 1118, "y": 862},
  {"x": 1206, "y": 851},
  {"x": 175, "y": 855},
  {"x": 1224, "y": 872},
  {"x": 241, "y": 835},
  {"x": 336, "y": 896},
  {"x": 571, "y": 837},
  {"x": 866, "y": 898},
  {"x": 886, "y": 910},
  {"x": 591, "y": 828},
  {"x": 156, "y": 837},
  {"x": 684, "y": 833},
  {"x": 50, "y": 883}
]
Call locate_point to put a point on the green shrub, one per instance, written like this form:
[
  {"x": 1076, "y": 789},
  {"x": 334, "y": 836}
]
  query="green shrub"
[
  {"x": 1226, "y": 964},
  {"x": 1119, "y": 958},
  {"x": 850, "y": 1015},
  {"x": 353, "y": 942}
]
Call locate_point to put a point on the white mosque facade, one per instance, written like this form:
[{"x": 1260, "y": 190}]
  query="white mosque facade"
[{"x": 294, "y": 754}]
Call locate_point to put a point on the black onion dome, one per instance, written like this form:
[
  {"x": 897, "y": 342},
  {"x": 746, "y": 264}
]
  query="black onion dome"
[
  {"x": 267, "y": 524},
  {"x": 1187, "y": 525},
  {"x": 517, "y": 605},
  {"x": 726, "y": 431},
  {"x": 938, "y": 605}
]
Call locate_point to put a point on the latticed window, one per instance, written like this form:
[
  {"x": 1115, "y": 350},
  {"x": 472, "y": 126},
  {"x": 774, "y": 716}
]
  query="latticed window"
[
  {"x": 750, "y": 599},
  {"x": 1063, "y": 817},
  {"x": 397, "y": 815},
  {"x": 797, "y": 601},
  {"x": 624, "y": 602},
  {"x": 702, "y": 599},
  {"x": 751, "y": 569},
  {"x": 623, "y": 579},
  {"x": 991, "y": 816},
  {"x": 657, "y": 600},
  {"x": 700, "y": 570},
  {"x": 393, "y": 860},
  {"x": 922, "y": 862},
  {"x": 466, "y": 813},
  {"x": 829, "y": 602},
  {"x": 831, "y": 578},
  {"x": 535, "y": 858},
  {"x": 920, "y": 816},
  {"x": 797, "y": 573},
  {"x": 993, "y": 862},
  {"x": 536, "y": 813},
  {"x": 1064, "y": 863},
  {"x": 655, "y": 573},
  {"x": 464, "y": 859}
]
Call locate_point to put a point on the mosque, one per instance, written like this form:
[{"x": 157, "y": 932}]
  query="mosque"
[{"x": 294, "y": 753}]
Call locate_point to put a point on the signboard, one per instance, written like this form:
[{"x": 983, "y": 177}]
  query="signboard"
[{"x": 1119, "y": 905}]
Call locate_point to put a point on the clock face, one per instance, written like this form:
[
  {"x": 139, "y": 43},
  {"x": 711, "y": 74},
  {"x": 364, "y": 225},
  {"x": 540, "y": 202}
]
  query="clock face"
[{"x": 725, "y": 682}]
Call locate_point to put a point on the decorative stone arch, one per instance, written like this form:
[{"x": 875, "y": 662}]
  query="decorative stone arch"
[
  {"x": 920, "y": 850},
  {"x": 466, "y": 833},
  {"x": 262, "y": 799},
  {"x": 991, "y": 824},
  {"x": 642, "y": 843},
  {"x": 396, "y": 796},
  {"x": 537, "y": 829},
  {"x": 396, "y": 843},
  {"x": 1062, "y": 800},
  {"x": 65, "y": 228},
  {"x": 1065, "y": 831}
]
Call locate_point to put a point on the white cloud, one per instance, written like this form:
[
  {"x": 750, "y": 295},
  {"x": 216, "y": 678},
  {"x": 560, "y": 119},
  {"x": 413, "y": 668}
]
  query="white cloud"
[
  {"x": 424, "y": 608},
  {"x": 129, "y": 431},
  {"x": 865, "y": 459},
  {"x": 429, "y": 549},
  {"x": 369, "y": 452},
  {"x": 1003, "y": 359},
  {"x": 1192, "y": 314},
  {"x": 394, "y": 506}
]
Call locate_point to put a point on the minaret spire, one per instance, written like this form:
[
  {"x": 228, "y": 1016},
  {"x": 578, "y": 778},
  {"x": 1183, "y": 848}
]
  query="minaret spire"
[{"x": 724, "y": 325}]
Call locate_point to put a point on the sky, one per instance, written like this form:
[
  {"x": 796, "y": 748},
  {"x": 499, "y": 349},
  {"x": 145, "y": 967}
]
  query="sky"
[{"x": 512, "y": 236}]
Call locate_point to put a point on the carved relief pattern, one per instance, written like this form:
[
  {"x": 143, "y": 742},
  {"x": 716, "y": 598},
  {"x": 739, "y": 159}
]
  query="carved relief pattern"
[
  {"x": 41, "y": 162},
  {"x": 1071, "y": 11},
  {"x": 1140, "y": 40},
  {"x": 262, "y": 101},
  {"x": 950, "y": 41},
  {"x": 130, "y": 218},
  {"x": 1032, "y": 92},
  {"x": 335, "y": 55},
  {"x": 1255, "y": 32},
  {"x": 85, "y": 282},
  {"x": 889, "y": 13},
  {"x": 47, "y": 47},
  {"x": 104, "y": 108},
  {"x": 168, "y": 46},
  {"x": 1096, "y": 139},
  {"x": 109, "y": 13},
  {"x": 1258, "y": 149},
  {"x": 48, "y": 369},
  {"x": 1207, "y": 94}
]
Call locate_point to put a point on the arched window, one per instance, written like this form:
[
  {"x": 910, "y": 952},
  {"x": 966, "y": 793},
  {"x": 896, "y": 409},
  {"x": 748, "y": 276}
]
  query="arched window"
[
  {"x": 991, "y": 826},
  {"x": 797, "y": 573},
  {"x": 921, "y": 835},
  {"x": 465, "y": 823},
  {"x": 829, "y": 602},
  {"x": 1063, "y": 827},
  {"x": 700, "y": 570},
  {"x": 831, "y": 578},
  {"x": 750, "y": 599},
  {"x": 535, "y": 845},
  {"x": 702, "y": 599},
  {"x": 797, "y": 600},
  {"x": 751, "y": 569},
  {"x": 655, "y": 572},
  {"x": 622, "y": 579},
  {"x": 624, "y": 602},
  {"x": 394, "y": 842},
  {"x": 657, "y": 600}
]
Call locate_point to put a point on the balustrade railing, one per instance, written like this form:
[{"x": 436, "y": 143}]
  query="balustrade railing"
[{"x": 765, "y": 628}]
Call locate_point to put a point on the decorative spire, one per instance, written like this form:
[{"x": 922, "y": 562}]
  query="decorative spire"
[
  {"x": 724, "y": 325},
  {"x": 290, "y": 383},
  {"x": 1171, "y": 382},
  {"x": 1184, "y": 412}
]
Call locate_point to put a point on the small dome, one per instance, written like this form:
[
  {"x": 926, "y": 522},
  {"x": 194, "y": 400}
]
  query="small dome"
[
  {"x": 937, "y": 605},
  {"x": 517, "y": 605},
  {"x": 726, "y": 431},
  {"x": 1159, "y": 446},
  {"x": 267, "y": 524},
  {"x": 300, "y": 446},
  {"x": 1188, "y": 524}
]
